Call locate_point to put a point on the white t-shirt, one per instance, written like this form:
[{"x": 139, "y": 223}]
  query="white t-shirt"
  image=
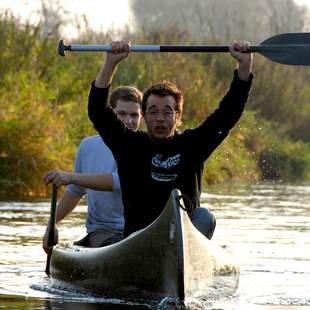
[{"x": 105, "y": 209}]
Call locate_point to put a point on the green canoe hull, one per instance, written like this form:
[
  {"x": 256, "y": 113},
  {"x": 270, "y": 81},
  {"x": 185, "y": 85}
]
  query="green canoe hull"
[{"x": 169, "y": 258}]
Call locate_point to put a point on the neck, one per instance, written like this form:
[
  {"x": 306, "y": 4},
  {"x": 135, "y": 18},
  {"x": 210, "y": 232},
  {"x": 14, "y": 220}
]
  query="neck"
[{"x": 162, "y": 140}]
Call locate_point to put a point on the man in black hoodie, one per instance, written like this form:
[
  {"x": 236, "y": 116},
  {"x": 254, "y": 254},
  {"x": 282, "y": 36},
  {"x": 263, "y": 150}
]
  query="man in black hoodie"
[{"x": 151, "y": 164}]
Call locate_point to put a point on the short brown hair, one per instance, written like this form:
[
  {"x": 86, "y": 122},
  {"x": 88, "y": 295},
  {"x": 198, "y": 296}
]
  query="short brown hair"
[
  {"x": 164, "y": 88},
  {"x": 125, "y": 93}
]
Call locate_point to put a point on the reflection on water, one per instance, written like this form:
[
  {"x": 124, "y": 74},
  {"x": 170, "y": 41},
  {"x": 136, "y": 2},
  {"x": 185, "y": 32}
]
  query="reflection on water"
[
  {"x": 10, "y": 302},
  {"x": 266, "y": 227}
]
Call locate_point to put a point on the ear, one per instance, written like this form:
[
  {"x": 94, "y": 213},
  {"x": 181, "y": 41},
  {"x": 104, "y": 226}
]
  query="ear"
[{"x": 178, "y": 119}]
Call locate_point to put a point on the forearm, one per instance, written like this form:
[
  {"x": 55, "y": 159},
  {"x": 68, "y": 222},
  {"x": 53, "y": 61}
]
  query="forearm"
[
  {"x": 217, "y": 125},
  {"x": 105, "y": 121},
  {"x": 66, "y": 204},
  {"x": 99, "y": 182},
  {"x": 244, "y": 70},
  {"x": 105, "y": 75},
  {"x": 230, "y": 108},
  {"x": 119, "y": 51},
  {"x": 240, "y": 51}
]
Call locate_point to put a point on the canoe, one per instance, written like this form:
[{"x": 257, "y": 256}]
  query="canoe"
[{"x": 169, "y": 258}]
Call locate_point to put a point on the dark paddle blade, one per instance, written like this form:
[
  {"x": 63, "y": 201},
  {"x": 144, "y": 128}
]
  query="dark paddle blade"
[
  {"x": 48, "y": 263},
  {"x": 288, "y": 48},
  {"x": 51, "y": 240}
]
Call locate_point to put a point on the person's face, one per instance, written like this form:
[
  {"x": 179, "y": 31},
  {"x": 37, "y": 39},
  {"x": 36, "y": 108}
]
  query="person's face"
[
  {"x": 160, "y": 116},
  {"x": 129, "y": 113}
]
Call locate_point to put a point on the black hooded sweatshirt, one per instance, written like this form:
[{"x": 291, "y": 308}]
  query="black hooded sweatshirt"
[{"x": 149, "y": 170}]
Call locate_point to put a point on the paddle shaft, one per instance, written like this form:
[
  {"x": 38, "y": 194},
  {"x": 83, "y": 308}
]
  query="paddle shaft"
[
  {"x": 173, "y": 48},
  {"x": 286, "y": 48},
  {"x": 52, "y": 224}
]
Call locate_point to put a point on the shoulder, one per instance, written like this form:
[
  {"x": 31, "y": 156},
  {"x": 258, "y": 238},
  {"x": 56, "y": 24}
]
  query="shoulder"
[
  {"x": 187, "y": 136},
  {"x": 92, "y": 142},
  {"x": 139, "y": 136}
]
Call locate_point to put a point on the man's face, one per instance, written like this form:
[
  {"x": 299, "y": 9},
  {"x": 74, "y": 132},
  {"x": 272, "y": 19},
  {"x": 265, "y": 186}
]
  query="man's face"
[
  {"x": 129, "y": 113},
  {"x": 160, "y": 116}
]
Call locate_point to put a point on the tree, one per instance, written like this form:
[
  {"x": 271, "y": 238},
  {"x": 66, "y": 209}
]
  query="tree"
[{"x": 221, "y": 20}]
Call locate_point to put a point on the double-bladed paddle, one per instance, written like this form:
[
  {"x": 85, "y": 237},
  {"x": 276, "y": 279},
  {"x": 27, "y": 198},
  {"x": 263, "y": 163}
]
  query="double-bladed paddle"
[
  {"x": 51, "y": 231},
  {"x": 287, "y": 48}
]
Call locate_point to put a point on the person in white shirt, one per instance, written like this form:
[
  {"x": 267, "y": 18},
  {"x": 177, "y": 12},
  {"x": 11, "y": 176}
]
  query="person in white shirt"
[{"x": 95, "y": 175}]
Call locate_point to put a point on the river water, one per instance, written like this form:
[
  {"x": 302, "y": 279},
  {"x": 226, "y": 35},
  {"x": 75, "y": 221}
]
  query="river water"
[{"x": 265, "y": 226}]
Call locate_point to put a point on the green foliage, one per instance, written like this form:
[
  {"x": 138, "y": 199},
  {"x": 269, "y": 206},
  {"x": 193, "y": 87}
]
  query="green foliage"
[
  {"x": 287, "y": 160},
  {"x": 283, "y": 96},
  {"x": 235, "y": 159},
  {"x": 28, "y": 143},
  {"x": 43, "y": 100}
]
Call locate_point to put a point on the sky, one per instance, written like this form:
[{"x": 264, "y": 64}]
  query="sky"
[
  {"x": 100, "y": 13},
  {"x": 304, "y": 2}
]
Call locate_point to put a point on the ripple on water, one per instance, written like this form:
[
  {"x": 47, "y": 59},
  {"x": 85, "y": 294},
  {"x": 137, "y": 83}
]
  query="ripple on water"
[{"x": 265, "y": 226}]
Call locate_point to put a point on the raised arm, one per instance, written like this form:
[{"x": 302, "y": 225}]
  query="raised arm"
[
  {"x": 205, "y": 138},
  {"x": 120, "y": 50},
  {"x": 105, "y": 121}
]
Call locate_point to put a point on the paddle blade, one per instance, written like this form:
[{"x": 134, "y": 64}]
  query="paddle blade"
[
  {"x": 48, "y": 263},
  {"x": 51, "y": 233},
  {"x": 288, "y": 48}
]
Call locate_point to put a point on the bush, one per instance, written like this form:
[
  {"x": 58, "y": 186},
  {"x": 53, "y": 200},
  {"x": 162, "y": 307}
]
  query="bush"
[
  {"x": 44, "y": 97},
  {"x": 286, "y": 161}
]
